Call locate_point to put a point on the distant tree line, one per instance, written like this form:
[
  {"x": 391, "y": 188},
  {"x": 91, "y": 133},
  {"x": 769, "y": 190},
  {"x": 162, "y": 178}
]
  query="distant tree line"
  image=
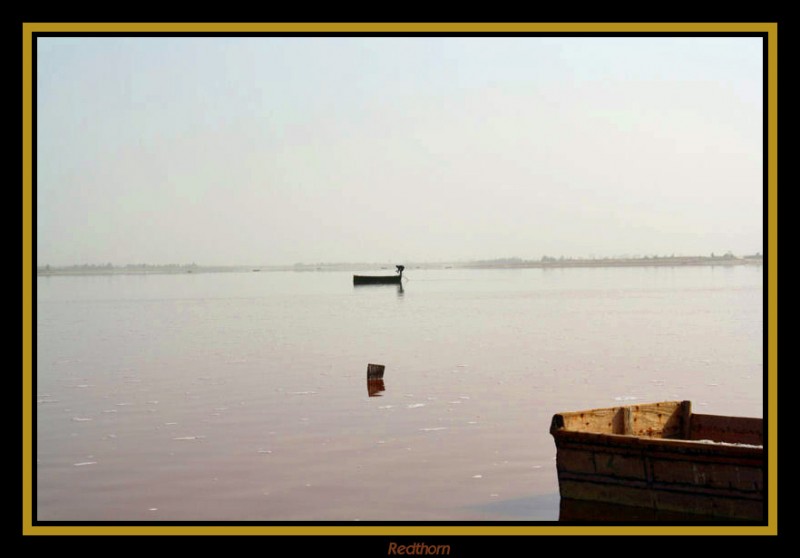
[
  {"x": 636, "y": 257},
  {"x": 109, "y": 266}
]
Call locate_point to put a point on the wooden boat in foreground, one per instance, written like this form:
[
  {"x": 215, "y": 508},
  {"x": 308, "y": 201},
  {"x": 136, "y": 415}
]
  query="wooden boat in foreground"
[
  {"x": 380, "y": 279},
  {"x": 663, "y": 457}
]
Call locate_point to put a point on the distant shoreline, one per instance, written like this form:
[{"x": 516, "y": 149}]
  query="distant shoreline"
[{"x": 545, "y": 263}]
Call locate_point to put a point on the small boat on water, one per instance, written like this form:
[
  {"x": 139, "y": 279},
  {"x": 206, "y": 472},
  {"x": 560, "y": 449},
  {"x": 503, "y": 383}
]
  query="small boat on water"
[
  {"x": 663, "y": 457},
  {"x": 380, "y": 279}
]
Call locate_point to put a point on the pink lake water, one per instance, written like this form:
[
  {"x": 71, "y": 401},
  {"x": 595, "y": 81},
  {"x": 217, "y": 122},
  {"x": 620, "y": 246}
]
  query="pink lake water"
[{"x": 243, "y": 396}]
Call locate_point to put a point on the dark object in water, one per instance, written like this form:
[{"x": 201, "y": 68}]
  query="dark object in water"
[
  {"x": 380, "y": 279},
  {"x": 663, "y": 457},
  {"x": 375, "y": 371}
]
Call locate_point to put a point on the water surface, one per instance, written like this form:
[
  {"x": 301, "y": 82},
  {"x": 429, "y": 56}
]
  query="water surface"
[{"x": 243, "y": 396}]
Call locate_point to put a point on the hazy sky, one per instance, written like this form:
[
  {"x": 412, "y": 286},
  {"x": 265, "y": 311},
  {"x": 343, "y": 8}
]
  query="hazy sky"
[{"x": 239, "y": 150}]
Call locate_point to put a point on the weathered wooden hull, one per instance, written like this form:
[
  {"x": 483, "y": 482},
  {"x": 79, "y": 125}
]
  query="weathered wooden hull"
[
  {"x": 662, "y": 457},
  {"x": 376, "y": 279}
]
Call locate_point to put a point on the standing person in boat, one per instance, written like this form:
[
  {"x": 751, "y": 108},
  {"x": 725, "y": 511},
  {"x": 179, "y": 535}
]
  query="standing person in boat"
[{"x": 400, "y": 269}]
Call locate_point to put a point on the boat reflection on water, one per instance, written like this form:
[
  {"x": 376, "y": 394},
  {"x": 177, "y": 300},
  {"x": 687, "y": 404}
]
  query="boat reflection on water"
[
  {"x": 399, "y": 286},
  {"x": 588, "y": 512},
  {"x": 375, "y": 387}
]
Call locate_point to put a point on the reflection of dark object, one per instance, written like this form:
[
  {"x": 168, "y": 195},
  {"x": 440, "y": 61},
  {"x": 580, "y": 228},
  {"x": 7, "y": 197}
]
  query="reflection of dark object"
[
  {"x": 663, "y": 457},
  {"x": 375, "y": 388},
  {"x": 585, "y": 511},
  {"x": 375, "y": 371},
  {"x": 379, "y": 279}
]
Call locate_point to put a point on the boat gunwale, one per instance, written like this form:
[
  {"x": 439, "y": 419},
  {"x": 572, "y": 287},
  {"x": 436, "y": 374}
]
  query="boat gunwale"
[
  {"x": 562, "y": 433},
  {"x": 634, "y": 442}
]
